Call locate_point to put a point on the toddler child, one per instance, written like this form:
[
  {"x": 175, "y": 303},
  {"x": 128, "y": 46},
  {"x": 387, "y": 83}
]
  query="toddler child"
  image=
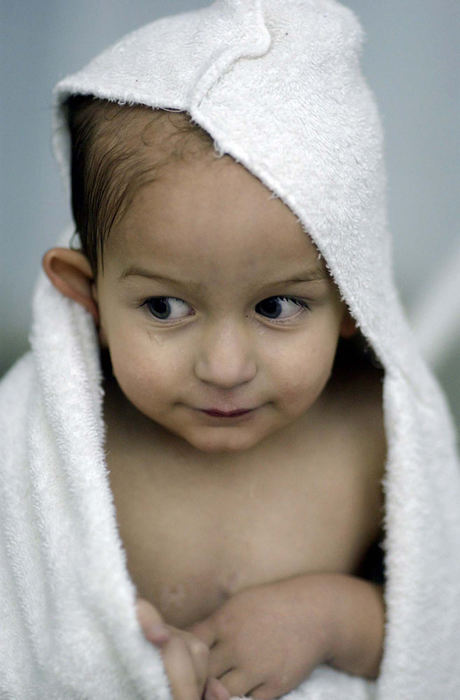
[
  {"x": 223, "y": 410},
  {"x": 245, "y": 459}
]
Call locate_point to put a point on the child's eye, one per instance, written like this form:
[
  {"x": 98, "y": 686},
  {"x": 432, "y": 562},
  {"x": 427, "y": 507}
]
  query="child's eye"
[
  {"x": 281, "y": 307},
  {"x": 167, "y": 308}
]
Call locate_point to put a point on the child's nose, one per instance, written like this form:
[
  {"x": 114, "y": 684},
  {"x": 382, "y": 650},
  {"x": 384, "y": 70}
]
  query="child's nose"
[{"x": 226, "y": 355}]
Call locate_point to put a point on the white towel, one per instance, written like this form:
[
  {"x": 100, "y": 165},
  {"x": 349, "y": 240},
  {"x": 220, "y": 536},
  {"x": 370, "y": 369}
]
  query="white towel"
[{"x": 277, "y": 84}]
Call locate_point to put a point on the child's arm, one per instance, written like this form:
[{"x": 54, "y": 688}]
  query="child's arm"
[
  {"x": 359, "y": 627},
  {"x": 265, "y": 640}
]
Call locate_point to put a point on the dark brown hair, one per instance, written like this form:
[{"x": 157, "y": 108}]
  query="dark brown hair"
[{"x": 114, "y": 152}]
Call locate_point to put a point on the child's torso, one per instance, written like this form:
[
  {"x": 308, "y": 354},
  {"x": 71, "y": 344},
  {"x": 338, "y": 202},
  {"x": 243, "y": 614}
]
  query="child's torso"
[{"x": 194, "y": 533}]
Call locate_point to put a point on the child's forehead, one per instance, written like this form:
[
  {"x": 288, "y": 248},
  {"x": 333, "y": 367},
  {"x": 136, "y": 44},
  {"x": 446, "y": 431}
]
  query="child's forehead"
[
  {"x": 211, "y": 243},
  {"x": 204, "y": 270},
  {"x": 194, "y": 192}
]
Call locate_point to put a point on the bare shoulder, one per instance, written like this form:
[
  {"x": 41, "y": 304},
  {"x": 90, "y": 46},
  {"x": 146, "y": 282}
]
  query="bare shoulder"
[
  {"x": 355, "y": 397},
  {"x": 361, "y": 396},
  {"x": 355, "y": 400}
]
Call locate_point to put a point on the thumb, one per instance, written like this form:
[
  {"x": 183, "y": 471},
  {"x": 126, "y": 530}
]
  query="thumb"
[{"x": 151, "y": 623}]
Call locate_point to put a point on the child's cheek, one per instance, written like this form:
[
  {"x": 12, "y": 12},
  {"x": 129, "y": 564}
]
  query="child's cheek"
[
  {"x": 305, "y": 379},
  {"x": 144, "y": 369}
]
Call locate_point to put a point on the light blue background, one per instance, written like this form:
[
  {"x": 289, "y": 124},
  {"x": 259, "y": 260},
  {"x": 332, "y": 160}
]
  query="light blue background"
[{"x": 411, "y": 60}]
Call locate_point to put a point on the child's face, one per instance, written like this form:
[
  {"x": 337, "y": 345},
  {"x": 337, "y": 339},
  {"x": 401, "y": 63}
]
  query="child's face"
[{"x": 203, "y": 307}]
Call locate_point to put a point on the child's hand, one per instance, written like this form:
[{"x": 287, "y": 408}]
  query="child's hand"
[
  {"x": 185, "y": 657},
  {"x": 265, "y": 640}
]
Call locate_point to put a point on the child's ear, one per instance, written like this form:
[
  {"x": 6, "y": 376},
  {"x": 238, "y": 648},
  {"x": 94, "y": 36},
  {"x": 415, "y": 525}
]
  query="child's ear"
[
  {"x": 348, "y": 325},
  {"x": 71, "y": 273}
]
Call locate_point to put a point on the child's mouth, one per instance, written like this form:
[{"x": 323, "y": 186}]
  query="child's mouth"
[{"x": 226, "y": 414}]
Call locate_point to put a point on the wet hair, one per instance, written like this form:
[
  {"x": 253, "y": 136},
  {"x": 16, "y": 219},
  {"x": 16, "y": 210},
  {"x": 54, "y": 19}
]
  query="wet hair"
[{"x": 115, "y": 151}]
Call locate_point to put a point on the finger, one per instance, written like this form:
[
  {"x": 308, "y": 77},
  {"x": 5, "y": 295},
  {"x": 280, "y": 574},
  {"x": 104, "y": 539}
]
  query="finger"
[
  {"x": 220, "y": 660},
  {"x": 215, "y": 690},
  {"x": 151, "y": 622},
  {"x": 180, "y": 670},
  {"x": 236, "y": 682},
  {"x": 199, "y": 653},
  {"x": 204, "y": 630},
  {"x": 261, "y": 692}
]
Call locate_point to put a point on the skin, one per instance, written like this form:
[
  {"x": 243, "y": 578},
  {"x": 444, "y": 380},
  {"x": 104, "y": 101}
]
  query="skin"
[
  {"x": 218, "y": 352},
  {"x": 237, "y": 332}
]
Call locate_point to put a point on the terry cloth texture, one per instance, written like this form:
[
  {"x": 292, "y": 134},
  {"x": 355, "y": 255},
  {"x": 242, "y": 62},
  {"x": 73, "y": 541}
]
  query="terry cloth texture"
[{"x": 277, "y": 84}]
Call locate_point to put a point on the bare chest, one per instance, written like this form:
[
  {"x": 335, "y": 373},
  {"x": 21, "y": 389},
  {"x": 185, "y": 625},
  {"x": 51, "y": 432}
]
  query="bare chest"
[{"x": 194, "y": 536}]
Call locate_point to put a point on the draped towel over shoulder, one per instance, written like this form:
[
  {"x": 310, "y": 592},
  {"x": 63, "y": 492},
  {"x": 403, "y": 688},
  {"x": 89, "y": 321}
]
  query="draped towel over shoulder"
[{"x": 277, "y": 84}]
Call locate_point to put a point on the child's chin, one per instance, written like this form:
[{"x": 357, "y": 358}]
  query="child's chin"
[{"x": 216, "y": 441}]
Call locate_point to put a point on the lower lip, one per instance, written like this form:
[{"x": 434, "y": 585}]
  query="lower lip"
[{"x": 237, "y": 414}]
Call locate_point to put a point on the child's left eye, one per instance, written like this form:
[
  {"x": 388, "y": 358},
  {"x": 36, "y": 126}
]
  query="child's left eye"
[
  {"x": 167, "y": 308},
  {"x": 280, "y": 307}
]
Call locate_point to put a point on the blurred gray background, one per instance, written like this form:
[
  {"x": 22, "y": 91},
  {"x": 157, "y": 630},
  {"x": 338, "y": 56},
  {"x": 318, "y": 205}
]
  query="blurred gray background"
[{"x": 411, "y": 60}]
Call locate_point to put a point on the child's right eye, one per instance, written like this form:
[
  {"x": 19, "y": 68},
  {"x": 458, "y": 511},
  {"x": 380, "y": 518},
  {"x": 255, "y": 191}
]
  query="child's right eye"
[{"x": 167, "y": 308}]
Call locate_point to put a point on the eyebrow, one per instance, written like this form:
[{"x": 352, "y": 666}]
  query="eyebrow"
[
  {"x": 315, "y": 273},
  {"x": 311, "y": 275},
  {"x": 135, "y": 271}
]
